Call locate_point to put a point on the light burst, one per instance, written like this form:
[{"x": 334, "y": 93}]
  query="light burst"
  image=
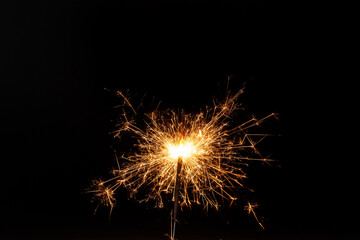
[{"x": 212, "y": 149}]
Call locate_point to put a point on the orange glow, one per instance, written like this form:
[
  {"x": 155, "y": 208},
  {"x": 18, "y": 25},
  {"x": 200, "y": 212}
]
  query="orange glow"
[{"x": 184, "y": 150}]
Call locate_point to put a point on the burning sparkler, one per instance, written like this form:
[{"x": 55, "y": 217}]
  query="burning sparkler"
[{"x": 198, "y": 158}]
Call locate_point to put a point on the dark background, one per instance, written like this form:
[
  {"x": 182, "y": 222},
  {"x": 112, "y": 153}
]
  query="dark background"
[{"x": 57, "y": 58}]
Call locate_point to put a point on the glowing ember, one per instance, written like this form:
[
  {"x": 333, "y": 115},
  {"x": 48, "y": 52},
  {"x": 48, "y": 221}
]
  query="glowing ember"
[{"x": 182, "y": 150}]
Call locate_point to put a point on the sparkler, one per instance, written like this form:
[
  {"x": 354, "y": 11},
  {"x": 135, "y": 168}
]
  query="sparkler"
[{"x": 198, "y": 158}]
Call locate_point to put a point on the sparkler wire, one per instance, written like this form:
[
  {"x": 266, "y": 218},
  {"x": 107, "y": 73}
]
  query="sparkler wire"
[{"x": 177, "y": 192}]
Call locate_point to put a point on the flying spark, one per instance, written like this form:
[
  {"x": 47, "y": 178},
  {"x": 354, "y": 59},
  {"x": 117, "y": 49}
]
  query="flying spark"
[{"x": 250, "y": 209}]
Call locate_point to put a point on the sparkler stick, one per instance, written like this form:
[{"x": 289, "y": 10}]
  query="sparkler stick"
[
  {"x": 177, "y": 189},
  {"x": 177, "y": 192}
]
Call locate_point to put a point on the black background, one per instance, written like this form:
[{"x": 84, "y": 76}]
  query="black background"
[{"x": 57, "y": 58}]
